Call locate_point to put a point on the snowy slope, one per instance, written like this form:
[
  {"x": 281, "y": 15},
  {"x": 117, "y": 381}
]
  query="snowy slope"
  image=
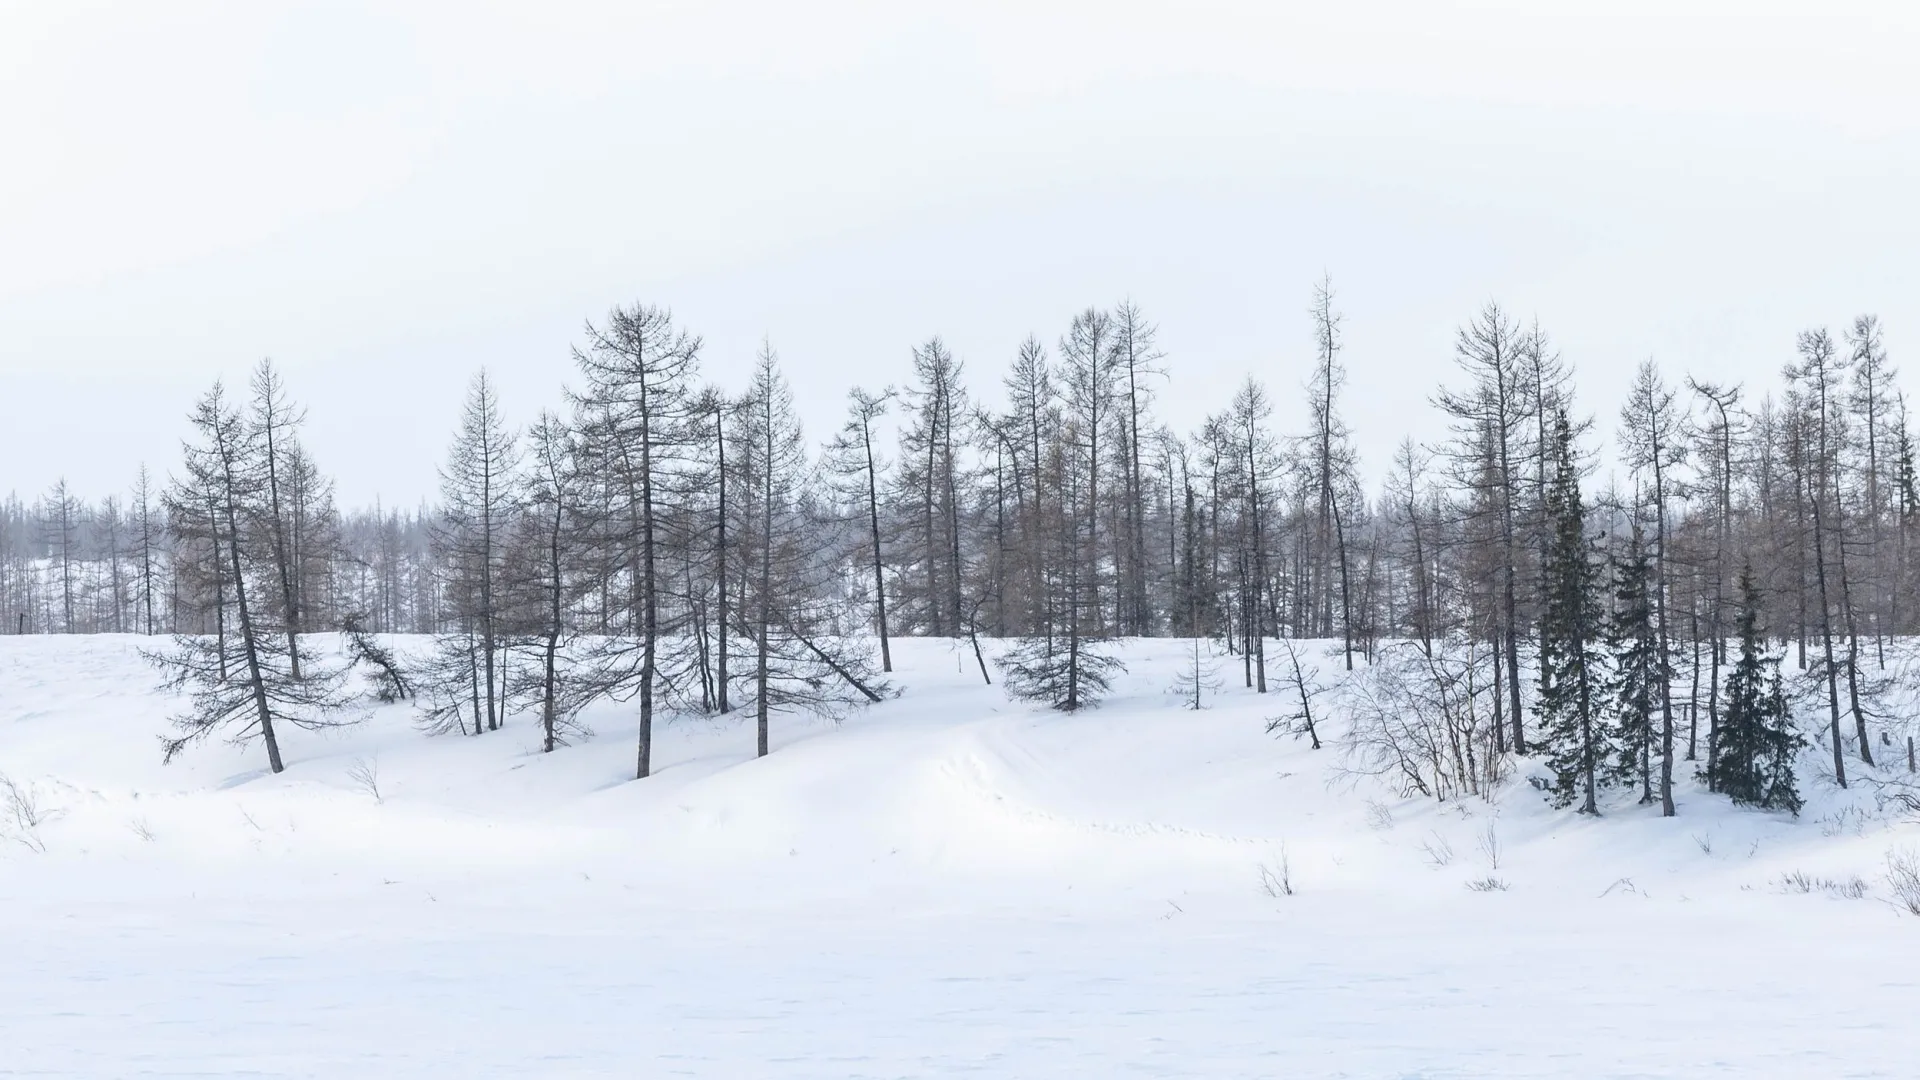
[{"x": 946, "y": 884}]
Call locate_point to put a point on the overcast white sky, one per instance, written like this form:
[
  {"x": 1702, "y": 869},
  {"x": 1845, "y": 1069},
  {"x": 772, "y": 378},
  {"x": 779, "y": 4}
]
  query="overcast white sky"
[{"x": 386, "y": 197}]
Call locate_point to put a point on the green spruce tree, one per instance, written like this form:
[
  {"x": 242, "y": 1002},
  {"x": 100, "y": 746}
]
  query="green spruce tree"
[
  {"x": 1756, "y": 742},
  {"x": 1638, "y": 668},
  {"x": 1572, "y": 665}
]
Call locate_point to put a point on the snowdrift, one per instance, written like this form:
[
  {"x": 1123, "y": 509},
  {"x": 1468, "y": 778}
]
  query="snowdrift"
[{"x": 947, "y": 883}]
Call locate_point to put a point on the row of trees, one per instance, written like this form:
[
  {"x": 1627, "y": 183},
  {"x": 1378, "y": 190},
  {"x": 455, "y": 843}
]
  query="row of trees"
[
  {"x": 1635, "y": 617},
  {"x": 679, "y": 545},
  {"x": 658, "y": 546}
]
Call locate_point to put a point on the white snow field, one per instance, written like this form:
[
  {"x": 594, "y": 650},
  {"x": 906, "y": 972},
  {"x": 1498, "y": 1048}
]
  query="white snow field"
[{"x": 948, "y": 884}]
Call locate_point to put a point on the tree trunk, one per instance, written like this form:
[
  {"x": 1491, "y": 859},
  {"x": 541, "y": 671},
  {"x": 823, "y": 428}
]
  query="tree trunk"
[
  {"x": 1826, "y": 640},
  {"x": 262, "y": 709},
  {"x": 873, "y": 523},
  {"x": 720, "y": 559},
  {"x": 763, "y": 616}
]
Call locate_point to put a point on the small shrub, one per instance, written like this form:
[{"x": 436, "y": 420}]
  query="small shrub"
[
  {"x": 23, "y": 809},
  {"x": 1846, "y": 819},
  {"x": 1276, "y": 880},
  {"x": 1903, "y": 878},
  {"x": 1799, "y": 881},
  {"x": 1624, "y": 886},
  {"x": 1439, "y": 851},
  {"x": 1490, "y": 845},
  {"x": 365, "y": 774}
]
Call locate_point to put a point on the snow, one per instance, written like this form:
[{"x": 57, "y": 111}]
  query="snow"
[{"x": 948, "y": 884}]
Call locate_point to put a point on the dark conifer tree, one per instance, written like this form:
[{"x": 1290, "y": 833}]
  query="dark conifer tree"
[
  {"x": 1757, "y": 743},
  {"x": 1571, "y": 662},
  {"x": 1638, "y": 668}
]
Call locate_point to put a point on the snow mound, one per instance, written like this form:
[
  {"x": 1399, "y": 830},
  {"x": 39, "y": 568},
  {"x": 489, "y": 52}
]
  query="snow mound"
[{"x": 947, "y": 883}]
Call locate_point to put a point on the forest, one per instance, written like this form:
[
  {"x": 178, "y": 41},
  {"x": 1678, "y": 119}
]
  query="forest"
[{"x": 1735, "y": 601}]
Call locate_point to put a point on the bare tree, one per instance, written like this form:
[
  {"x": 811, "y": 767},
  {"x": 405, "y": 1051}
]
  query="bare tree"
[
  {"x": 1713, "y": 446},
  {"x": 1871, "y": 400},
  {"x": 547, "y": 545},
  {"x": 478, "y": 508},
  {"x": 1307, "y": 689},
  {"x": 1067, "y": 666},
  {"x": 275, "y": 422},
  {"x": 1815, "y": 380},
  {"x": 147, "y": 537},
  {"x": 242, "y": 683},
  {"x": 796, "y": 665},
  {"x": 1136, "y": 359},
  {"x": 927, "y": 487},
  {"x": 1489, "y": 419},
  {"x": 1405, "y": 486},
  {"x": 1331, "y": 463},
  {"x": 1032, "y": 422},
  {"x": 852, "y": 457},
  {"x": 60, "y": 514},
  {"x": 1255, "y": 452},
  {"x": 637, "y": 411},
  {"x": 384, "y": 671},
  {"x": 1653, "y": 445}
]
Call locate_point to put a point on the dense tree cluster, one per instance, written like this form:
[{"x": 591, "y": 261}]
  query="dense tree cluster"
[{"x": 684, "y": 547}]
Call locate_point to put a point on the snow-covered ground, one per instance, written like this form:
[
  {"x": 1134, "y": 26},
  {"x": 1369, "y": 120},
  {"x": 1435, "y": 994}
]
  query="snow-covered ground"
[{"x": 946, "y": 884}]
